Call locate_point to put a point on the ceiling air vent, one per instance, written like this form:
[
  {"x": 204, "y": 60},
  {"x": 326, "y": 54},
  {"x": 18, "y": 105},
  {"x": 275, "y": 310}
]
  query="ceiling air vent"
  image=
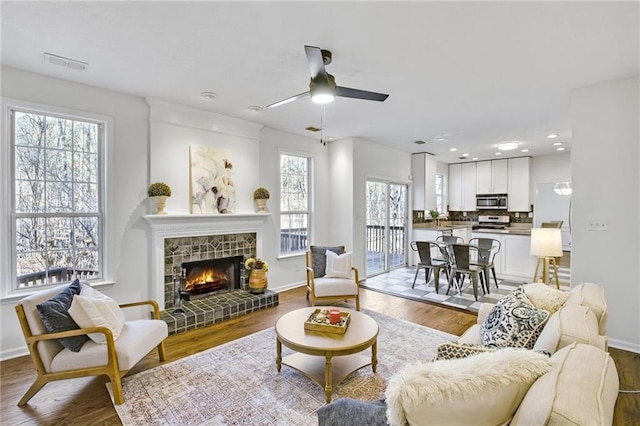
[
  {"x": 312, "y": 129},
  {"x": 65, "y": 62},
  {"x": 419, "y": 142}
]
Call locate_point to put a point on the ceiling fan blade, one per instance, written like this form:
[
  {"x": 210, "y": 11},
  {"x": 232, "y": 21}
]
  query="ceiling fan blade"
[
  {"x": 347, "y": 92},
  {"x": 291, "y": 99},
  {"x": 316, "y": 64}
]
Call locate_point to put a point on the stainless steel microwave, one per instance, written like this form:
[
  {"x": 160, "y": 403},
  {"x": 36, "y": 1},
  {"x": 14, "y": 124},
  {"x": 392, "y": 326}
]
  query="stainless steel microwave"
[{"x": 491, "y": 202}]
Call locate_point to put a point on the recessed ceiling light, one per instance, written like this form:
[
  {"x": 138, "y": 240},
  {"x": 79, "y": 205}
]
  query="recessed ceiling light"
[
  {"x": 208, "y": 95},
  {"x": 465, "y": 155},
  {"x": 508, "y": 146},
  {"x": 552, "y": 136},
  {"x": 498, "y": 153},
  {"x": 474, "y": 158},
  {"x": 441, "y": 139},
  {"x": 560, "y": 148},
  {"x": 453, "y": 149},
  {"x": 255, "y": 108},
  {"x": 525, "y": 150},
  {"x": 557, "y": 143}
]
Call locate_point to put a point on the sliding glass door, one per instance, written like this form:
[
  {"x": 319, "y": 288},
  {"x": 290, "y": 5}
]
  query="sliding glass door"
[{"x": 386, "y": 226}]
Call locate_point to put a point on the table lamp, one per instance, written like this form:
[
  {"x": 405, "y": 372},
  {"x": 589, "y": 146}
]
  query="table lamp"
[{"x": 546, "y": 243}]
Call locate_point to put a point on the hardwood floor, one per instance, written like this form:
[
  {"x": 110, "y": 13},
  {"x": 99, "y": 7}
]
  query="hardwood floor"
[{"x": 86, "y": 401}]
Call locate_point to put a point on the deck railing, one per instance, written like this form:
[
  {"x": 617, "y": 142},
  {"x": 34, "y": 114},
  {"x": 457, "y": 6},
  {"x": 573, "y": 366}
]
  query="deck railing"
[
  {"x": 296, "y": 239},
  {"x": 54, "y": 276}
]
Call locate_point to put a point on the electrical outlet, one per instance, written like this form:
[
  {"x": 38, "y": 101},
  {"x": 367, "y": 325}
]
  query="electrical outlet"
[
  {"x": 530, "y": 215},
  {"x": 596, "y": 225},
  {"x": 464, "y": 214}
]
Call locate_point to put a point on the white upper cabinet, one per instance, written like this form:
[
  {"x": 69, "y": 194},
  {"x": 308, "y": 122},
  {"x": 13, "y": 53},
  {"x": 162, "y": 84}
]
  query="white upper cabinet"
[
  {"x": 462, "y": 187},
  {"x": 423, "y": 172},
  {"x": 492, "y": 177},
  {"x": 519, "y": 188}
]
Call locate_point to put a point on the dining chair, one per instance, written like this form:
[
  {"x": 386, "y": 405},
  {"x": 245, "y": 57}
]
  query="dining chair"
[
  {"x": 449, "y": 239},
  {"x": 488, "y": 248},
  {"x": 462, "y": 265},
  {"x": 424, "y": 249}
]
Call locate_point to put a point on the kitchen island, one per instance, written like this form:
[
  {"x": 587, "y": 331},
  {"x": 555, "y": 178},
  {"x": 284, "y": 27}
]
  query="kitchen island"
[{"x": 514, "y": 261}]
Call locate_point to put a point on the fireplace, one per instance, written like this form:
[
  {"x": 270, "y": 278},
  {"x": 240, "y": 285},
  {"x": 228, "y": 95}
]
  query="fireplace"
[
  {"x": 180, "y": 238},
  {"x": 206, "y": 277}
]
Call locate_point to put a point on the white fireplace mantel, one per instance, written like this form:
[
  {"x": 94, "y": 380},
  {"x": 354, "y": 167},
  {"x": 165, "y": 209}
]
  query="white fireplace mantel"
[{"x": 190, "y": 225}]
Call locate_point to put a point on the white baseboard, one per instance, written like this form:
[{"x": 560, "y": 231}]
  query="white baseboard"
[
  {"x": 14, "y": 353},
  {"x": 627, "y": 346}
]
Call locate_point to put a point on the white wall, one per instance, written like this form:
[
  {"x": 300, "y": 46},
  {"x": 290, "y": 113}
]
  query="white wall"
[
  {"x": 606, "y": 188},
  {"x": 288, "y": 272},
  {"x": 150, "y": 142},
  {"x": 371, "y": 160},
  {"x": 174, "y": 128},
  {"x": 129, "y": 147},
  {"x": 550, "y": 168}
]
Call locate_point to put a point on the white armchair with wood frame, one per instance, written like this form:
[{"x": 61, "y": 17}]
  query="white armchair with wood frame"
[
  {"x": 335, "y": 278},
  {"x": 112, "y": 356}
]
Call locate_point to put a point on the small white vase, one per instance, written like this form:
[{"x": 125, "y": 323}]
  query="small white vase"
[
  {"x": 262, "y": 205},
  {"x": 160, "y": 202}
]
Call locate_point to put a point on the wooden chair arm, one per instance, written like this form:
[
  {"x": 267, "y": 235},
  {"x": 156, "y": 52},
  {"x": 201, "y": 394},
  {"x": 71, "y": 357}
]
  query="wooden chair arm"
[
  {"x": 356, "y": 274},
  {"x": 71, "y": 333},
  {"x": 156, "y": 309}
]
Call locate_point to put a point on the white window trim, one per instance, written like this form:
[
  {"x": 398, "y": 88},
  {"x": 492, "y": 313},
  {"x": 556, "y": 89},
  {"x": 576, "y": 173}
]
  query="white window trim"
[
  {"x": 8, "y": 294},
  {"x": 311, "y": 210}
]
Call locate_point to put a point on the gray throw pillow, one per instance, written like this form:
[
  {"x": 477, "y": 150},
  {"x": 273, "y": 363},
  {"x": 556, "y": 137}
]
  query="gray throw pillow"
[
  {"x": 319, "y": 259},
  {"x": 351, "y": 412},
  {"x": 55, "y": 316}
]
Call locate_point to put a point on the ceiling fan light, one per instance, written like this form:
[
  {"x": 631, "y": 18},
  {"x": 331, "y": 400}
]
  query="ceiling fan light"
[{"x": 322, "y": 97}]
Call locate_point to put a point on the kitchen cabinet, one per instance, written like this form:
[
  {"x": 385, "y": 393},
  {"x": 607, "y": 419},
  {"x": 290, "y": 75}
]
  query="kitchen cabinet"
[
  {"x": 519, "y": 189},
  {"x": 514, "y": 262},
  {"x": 492, "y": 177},
  {"x": 462, "y": 187},
  {"x": 517, "y": 260},
  {"x": 423, "y": 172}
]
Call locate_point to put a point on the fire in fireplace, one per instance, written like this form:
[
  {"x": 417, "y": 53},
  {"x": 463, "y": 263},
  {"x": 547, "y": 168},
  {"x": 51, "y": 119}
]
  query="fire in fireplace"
[{"x": 211, "y": 275}]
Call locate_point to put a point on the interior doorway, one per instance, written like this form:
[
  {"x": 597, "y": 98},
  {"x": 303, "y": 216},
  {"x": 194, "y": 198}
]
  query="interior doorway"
[{"x": 386, "y": 225}]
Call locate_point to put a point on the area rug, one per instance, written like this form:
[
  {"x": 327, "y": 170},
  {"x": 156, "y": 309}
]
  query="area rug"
[{"x": 237, "y": 383}]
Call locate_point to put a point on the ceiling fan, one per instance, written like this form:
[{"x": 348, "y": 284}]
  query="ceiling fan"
[{"x": 322, "y": 87}]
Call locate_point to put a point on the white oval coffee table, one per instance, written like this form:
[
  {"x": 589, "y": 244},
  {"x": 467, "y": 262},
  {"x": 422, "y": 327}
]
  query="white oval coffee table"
[{"x": 326, "y": 358}]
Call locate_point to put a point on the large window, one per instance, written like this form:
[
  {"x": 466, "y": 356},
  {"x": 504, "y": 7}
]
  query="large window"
[
  {"x": 56, "y": 202},
  {"x": 294, "y": 203}
]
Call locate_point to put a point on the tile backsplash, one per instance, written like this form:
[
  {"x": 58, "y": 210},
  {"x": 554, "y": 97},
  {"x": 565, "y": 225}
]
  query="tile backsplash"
[{"x": 516, "y": 217}]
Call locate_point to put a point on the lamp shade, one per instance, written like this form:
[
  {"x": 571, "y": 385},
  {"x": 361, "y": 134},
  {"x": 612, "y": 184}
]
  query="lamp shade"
[{"x": 546, "y": 242}]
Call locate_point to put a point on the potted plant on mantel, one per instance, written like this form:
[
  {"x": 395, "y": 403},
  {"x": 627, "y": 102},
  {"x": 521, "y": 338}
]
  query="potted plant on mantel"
[
  {"x": 158, "y": 192},
  {"x": 261, "y": 195}
]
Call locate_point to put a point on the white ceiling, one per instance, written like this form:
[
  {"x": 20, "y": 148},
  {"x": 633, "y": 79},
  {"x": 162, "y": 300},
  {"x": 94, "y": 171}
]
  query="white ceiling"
[{"x": 476, "y": 73}]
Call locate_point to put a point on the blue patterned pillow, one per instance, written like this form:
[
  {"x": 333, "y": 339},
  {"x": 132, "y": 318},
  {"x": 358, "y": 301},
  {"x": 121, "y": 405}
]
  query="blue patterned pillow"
[
  {"x": 55, "y": 316},
  {"x": 319, "y": 259},
  {"x": 513, "y": 322}
]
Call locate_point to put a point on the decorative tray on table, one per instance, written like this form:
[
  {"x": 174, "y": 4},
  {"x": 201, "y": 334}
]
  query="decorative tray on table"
[{"x": 319, "y": 321}]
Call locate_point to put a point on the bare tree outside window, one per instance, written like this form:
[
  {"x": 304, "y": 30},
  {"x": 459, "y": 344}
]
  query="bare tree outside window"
[
  {"x": 294, "y": 203},
  {"x": 56, "y": 199}
]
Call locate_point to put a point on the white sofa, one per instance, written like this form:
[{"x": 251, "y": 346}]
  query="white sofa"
[{"x": 577, "y": 385}]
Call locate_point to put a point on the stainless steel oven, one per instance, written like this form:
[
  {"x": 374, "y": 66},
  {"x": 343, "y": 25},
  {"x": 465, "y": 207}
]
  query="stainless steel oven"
[{"x": 491, "y": 202}]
